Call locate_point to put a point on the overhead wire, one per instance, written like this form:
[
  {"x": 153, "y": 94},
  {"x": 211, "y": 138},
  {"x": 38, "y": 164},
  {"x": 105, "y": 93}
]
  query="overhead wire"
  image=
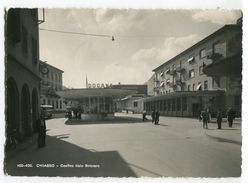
[{"x": 103, "y": 35}]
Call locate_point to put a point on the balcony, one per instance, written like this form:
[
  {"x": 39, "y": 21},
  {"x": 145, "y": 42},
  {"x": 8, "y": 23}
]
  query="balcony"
[
  {"x": 156, "y": 88},
  {"x": 180, "y": 69},
  {"x": 156, "y": 80}
]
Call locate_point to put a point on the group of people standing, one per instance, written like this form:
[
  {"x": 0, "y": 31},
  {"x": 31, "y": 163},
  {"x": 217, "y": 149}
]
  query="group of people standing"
[
  {"x": 205, "y": 117},
  {"x": 154, "y": 115}
]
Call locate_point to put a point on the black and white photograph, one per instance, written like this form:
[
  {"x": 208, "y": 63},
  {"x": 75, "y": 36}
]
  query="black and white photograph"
[{"x": 123, "y": 92}]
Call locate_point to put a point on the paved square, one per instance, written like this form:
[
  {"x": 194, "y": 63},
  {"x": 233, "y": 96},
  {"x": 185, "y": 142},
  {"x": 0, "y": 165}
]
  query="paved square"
[{"x": 177, "y": 147}]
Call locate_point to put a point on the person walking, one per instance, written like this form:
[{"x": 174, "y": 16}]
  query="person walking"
[
  {"x": 230, "y": 117},
  {"x": 144, "y": 116},
  {"x": 219, "y": 118},
  {"x": 42, "y": 130},
  {"x": 156, "y": 117},
  {"x": 153, "y": 116},
  {"x": 205, "y": 118}
]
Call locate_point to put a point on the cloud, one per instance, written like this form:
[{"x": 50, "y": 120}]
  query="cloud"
[
  {"x": 138, "y": 68},
  {"x": 220, "y": 17}
]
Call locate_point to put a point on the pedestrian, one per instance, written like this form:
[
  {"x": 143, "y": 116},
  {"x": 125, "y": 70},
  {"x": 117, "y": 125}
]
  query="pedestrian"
[
  {"x": 205, "y": 118},
  {"x": 209, "y": 115},
  {"x": 200, "y": 117},
  {"x": 157, "y": 117},
  {"x": 230, "y": 116},
  {"x": 42, "y": 129},
  {"x": 144, "y": 115},
  {"x": 219, "y": 118},
  {"x": 153, "y": 116}
]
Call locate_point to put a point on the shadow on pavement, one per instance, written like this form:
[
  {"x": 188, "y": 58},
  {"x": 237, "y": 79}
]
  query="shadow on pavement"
[
  {"x": 117, "y": 120},
  {"x": 219, "y": 139},
  {"x": 62, "y": 155}
]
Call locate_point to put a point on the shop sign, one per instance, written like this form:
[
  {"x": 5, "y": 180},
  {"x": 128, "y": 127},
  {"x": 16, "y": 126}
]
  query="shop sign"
[{"x": 99, "y": 85}]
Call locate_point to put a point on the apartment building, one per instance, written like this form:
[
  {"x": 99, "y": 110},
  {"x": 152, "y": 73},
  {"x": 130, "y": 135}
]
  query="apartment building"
[
  {"x": 189, "y": 81},
  {"x": 52, "y": 81}
]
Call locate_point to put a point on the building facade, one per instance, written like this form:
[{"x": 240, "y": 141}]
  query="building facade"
[
  {"x": 131, "y": 102},
  {"x": 22, "y": 71},
  {"x": 187, "y": 73},
  {"x": 52, "y": 81}
]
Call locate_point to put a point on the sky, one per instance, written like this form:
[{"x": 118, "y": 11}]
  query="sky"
[{"x": 144, "y": 39}]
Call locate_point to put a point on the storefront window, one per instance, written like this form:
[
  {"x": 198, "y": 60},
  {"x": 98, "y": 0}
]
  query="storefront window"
[
  {"x": 184, "y": 104},
  {"x": 165, "y": 107},
  {"x": 173, "y": 105},
  {"x": 178, "y": 104},
  {"x": 169, "y": 104}
]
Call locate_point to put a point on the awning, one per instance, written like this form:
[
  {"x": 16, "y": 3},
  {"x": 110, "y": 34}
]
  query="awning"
[
  {"x": 161, "y": 84},
  {"x": 167, "y": 81},
  {"x": 167, "y": 71},
  {"x": 199, "y": 87},
  {"x": 162, "y": 73},
  {"x": 191, "y": 59},
  {"x": 75, "y": 94}
]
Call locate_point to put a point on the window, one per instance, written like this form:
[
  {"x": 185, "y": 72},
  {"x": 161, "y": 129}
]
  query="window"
[
  {"x": 49, "y": 102},
  {"x": 203, "y": 53},
  {"x": 201, "y": 70},
  {"x": 237, "y": 100},
  {"x": 199, "y": 86},
  {"x": 165, "y": 107},
  {"x": 57, "y": 104},
  {"x": 60, "y": 104},
  {"x": 169, "y": 104},
  {"x": 193, "y": 87},
  {"x": 184, "y": 104},
  {"x": 168, "y": 81},
  {"x": 34, "y": 51},
  {"x": 205, "y": 85},
  {"x": 191, "y": 59},
  {"x": 34, "y": 14},
  {"x": 135, "y": 104},
  {"x": 218, "y": 48},
  {"x": 161, "y": 105},
  {"x": 52, "y": 76},
  {"x": 14, "y": 25},
  {"x": 44, "y": 101},
  {"x": 173, "y": 104},
  {"x": 188, "y": 87},
  {"x": 191, "y": 73},
  {"x": 216, "y": 82},
  {"x": 178, "y": 104},
  {"x": 24, "y": 41}
]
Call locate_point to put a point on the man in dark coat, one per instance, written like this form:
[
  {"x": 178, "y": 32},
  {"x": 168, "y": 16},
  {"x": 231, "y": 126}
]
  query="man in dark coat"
[
  {"x": 144, "y": 116},
  {"x": 230, "y": 116},
  {"x": 153, "y": 116},
  {"x": 219, "y": 119},
  {"x": 205, "y": 118},
  {"x": 157, "y": 117},
  {"x": 42, "y": 129}
]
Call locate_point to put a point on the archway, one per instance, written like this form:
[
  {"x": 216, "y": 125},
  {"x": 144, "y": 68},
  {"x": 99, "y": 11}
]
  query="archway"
[
  {"x": 25, "y": 108},
  {"x": 34, "y": 108},
  {"x": 12, "y": 118}
]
